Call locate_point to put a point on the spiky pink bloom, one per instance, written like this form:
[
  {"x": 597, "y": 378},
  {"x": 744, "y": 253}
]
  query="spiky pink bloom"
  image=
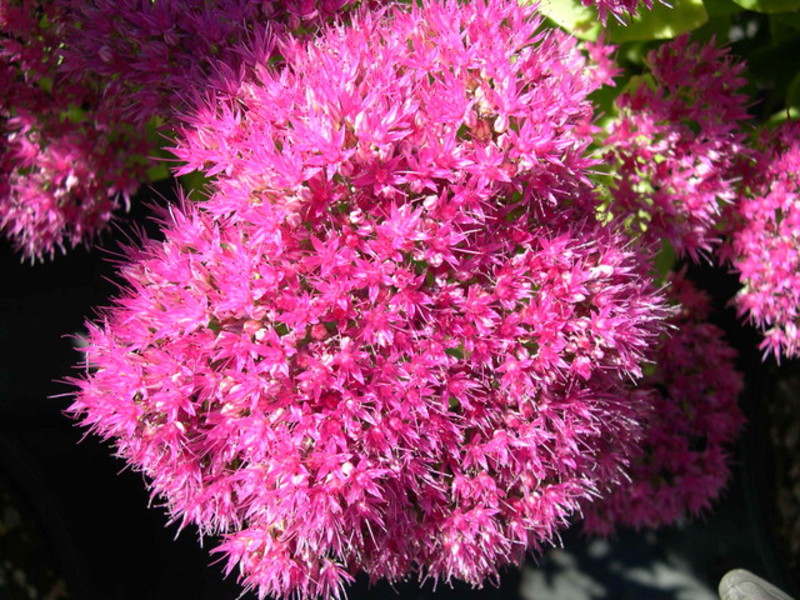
[
  {"x": 683, "y": 463},
  {"x": 393, "y": 339},
  {"x": 672, "y": 151},
  {"x": 764, "y": 243}
]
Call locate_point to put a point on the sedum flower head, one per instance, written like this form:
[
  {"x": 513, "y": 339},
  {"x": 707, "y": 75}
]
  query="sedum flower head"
[
  {"x": 83, "y": 81},
  {"x": 153, "y": 56},
  {"x": 672, "y": 150},
  {"x": 764, "y": 241},
  {"x": 393, "y": 339},
  {"x": 65, "y": 164}
]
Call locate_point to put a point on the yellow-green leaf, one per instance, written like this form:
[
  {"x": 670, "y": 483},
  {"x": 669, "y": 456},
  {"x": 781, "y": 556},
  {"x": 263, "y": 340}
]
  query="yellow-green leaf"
[
  {"x": 784, "y": 115},
  {"x": 581, "y": 21},
  {"x": 769, "y": 6},
  {"x": 661, "y": 23}
]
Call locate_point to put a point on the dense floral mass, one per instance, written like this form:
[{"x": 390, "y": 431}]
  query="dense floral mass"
[
  {"x": 65, "y": 163},
  {"x": 765, "y": 242},
  {"x": 74, "y": 116},
  {"x": 413, "y": 325},
  {"x": 674, "y": 149},
  {"x": 177, "y": 45},
  {"x": 393, "y": 339}
]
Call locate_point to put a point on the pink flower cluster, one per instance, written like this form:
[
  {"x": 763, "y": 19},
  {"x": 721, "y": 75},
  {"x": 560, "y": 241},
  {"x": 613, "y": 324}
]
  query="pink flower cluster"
[
  {"x": 672, "y": 151},
  {"x": 765, "y": 241},
  {"x": 683, "y": 464},
  {"x": 64, "y": 166},
  {"x": 82, "y": 82},
  {"x": 154, "y": 56},
  {"x": 394, "y": 339}
]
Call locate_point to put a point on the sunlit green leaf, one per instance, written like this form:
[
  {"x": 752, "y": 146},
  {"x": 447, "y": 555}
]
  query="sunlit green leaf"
[
  {"x": 581, "y": 21},
  {"x": 769, "y": 6},
  {"x": 661, "y": 23},
  {"x": 784, "y": 115}
]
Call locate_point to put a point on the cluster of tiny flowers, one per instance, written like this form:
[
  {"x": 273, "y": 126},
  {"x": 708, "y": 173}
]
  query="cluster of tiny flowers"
[
  {"x": 153, "y": 56},
  {"x": 393, "y": 339},
  {"x": 764, "y": 243},
  {"x": 82, "y": 80},
  {"x": 673, "y": 148},
  {"x": 64, "y": 167},
  {"x": 695, "y": 418},
  {"x": 620, "y": 9}
]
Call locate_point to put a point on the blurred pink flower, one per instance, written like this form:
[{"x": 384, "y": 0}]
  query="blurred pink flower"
[
  {"x": 764, "y": 243},
  {"x": 65, "y": 163}
]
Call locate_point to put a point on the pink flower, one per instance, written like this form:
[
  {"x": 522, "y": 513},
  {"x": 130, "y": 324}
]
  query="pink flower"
[
  {"x": 764, "y": 240},
  {"x": 154, "y": 56},
  {"x": 394, "y": 339},
  {"x": 65, "y": 163},
  {"x": 82, "y": 83},
  {"x": 672, "y": 151}
]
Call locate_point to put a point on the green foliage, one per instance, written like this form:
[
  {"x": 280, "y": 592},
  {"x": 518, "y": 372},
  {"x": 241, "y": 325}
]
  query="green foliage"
[
  {"x": 195, "y": 184},
  {"x": 793, "y": 93},
  {"x": 719, "y": 8},
  {"x": 769, "y": 6},
  {"x": 571, "y": 15},
  {"x": 157, "y": 169},
  {"x": 662, "y": 22}
]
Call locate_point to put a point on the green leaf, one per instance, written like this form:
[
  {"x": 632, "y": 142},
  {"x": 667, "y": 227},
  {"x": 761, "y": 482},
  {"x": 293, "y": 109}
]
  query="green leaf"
[
  {"x": 769, "y": 6},
  {"x": 784, "y": 115},
  {"x": 780, "y": 31},
  {"x": 581, "y": 21},
  {"x": 660, "y": 23},
  {"x": 718, "y": 8},
  {"x": 158, "y": 172},
  {"x": 665, "y": 260},
  {"x": 194, "y": 184},
  {"x": 46, "y": 83},
  {"x": 793, "y": 93},
  {"x": 74, "y": 113}
]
